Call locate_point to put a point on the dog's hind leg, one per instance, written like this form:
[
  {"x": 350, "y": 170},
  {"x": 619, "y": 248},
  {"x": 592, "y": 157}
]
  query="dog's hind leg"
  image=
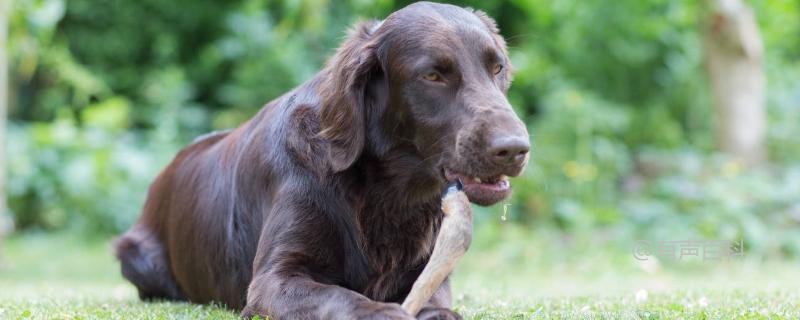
[{"x": 144, "y": 263}]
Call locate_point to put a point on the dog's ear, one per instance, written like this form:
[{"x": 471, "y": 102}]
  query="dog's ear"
[{"x": 344, "y": 99}]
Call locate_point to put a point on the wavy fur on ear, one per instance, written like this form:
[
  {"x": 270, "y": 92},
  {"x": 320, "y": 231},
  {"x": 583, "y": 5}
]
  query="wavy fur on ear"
[{"x": 343, "y": 96}]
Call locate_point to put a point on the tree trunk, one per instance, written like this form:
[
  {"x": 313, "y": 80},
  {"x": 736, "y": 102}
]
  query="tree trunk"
[{"x": 734, "y": 54}]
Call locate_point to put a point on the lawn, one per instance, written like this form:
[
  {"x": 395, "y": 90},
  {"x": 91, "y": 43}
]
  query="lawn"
[{"x": 64, "y": 277}]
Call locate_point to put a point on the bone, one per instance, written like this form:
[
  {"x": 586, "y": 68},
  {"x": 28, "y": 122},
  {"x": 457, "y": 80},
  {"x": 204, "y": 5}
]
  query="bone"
[{"x": 455, "y": 235}]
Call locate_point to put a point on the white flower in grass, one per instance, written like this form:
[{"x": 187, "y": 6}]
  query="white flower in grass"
[
  {"x": 703, "y": 302},
  {"x": 641, "y": 296}
]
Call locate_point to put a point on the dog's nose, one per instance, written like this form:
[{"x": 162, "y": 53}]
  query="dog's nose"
[{"x": 509, "y": 150}]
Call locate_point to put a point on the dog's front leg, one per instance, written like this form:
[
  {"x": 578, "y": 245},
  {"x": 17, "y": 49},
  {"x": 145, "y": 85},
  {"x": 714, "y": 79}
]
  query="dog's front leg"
[
  {"x": 295, "y": 296},
  {"x": 300, "y": 262}
]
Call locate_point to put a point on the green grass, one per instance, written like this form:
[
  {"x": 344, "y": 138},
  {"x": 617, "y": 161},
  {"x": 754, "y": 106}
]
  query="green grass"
[{"x": 63, "y": 277}]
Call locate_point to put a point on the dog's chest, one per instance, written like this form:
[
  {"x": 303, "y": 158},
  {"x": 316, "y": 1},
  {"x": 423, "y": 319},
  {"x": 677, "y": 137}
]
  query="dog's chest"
[{"x": 397, "y": 245}]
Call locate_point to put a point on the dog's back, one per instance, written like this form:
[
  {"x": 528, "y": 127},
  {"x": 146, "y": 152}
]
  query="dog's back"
[{"x": 178, "y": 198}]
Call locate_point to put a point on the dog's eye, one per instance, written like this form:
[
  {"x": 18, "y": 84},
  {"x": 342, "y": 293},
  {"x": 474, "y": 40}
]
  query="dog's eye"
[
  {"x": 497, "y": 68},
  {"x": 433, "y": 76}
]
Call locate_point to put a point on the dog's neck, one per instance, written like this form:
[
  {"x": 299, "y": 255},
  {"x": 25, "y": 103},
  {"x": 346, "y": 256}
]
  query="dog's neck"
[{"x": 401, "y": 176}]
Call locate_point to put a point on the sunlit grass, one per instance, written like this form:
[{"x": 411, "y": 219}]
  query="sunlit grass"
[{"x": 62, "y": 277}]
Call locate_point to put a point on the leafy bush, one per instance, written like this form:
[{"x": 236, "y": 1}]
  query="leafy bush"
[
  {"x": 685, "y": 195},
  {"x": 614, "y": 96},
  {"x": 92, "y": 176}
]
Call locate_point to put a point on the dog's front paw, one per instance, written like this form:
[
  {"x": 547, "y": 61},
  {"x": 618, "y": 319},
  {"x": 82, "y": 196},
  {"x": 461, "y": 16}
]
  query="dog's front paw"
[
  {"x": 382, "y": 310},
  {"x": 438, "y": 314}
]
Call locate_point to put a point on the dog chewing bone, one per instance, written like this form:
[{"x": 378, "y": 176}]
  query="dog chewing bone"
[{"x": 452, "y": 242}]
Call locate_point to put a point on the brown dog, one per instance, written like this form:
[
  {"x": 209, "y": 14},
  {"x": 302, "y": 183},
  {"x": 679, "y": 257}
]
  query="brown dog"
[{"x": 327, "y": 203}]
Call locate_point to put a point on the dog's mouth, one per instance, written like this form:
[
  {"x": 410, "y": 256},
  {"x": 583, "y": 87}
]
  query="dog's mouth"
[{"x": 483, "y": 191}]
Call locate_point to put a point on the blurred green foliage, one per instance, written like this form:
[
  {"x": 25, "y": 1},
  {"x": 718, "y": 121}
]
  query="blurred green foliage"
[{"x": 614, "y": 93}]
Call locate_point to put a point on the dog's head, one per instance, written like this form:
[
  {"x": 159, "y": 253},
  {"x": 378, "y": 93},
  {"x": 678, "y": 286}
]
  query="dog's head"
[{"x": 432, "y": 78}]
